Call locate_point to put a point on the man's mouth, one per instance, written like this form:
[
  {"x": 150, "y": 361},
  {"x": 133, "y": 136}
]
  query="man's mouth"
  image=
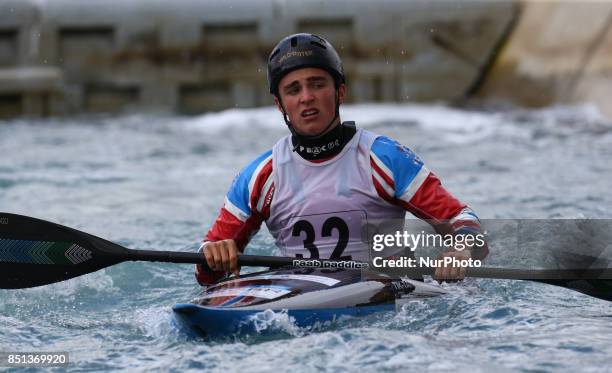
[{"x": 309, "y": 113}]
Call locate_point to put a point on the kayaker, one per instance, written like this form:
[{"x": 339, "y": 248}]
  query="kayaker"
[{"x": 326, "y": 176}]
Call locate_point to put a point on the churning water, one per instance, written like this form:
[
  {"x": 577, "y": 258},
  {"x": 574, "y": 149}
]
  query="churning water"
[{"x": 157, "y": 182}]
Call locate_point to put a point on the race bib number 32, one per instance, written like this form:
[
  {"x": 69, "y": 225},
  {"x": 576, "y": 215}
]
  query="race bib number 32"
[{"x": 332, "y": 235}]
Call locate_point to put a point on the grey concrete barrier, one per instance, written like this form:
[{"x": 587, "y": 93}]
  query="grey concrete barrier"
[{"x": 191, "y": 56}]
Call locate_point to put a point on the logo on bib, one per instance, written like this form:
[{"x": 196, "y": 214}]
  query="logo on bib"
[{"x": 319, "y": 149}]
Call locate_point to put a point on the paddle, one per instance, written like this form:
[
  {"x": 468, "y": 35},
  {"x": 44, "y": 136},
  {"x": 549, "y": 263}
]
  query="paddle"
[{"x": 35, "y": 252}]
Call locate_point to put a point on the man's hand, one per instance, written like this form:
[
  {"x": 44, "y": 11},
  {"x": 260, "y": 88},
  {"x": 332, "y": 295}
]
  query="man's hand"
[
  {"x": 222, "y": 256},
  {"x": 452, "y": 274}
]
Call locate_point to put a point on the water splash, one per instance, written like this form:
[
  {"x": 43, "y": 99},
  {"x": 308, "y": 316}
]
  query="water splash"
[{"x": 275, "y": 321}]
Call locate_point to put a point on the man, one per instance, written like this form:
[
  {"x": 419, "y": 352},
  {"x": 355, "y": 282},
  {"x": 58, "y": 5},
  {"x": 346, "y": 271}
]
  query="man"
[{"x": 327, "y": 177}]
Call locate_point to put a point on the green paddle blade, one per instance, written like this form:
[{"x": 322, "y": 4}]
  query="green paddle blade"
[{"x": 35, "y": 252}]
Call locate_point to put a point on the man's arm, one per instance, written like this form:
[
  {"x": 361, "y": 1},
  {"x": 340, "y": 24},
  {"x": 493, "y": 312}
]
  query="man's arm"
[
  {"x": 401, "y": 178},
  {"x": 239, "y": 219}
]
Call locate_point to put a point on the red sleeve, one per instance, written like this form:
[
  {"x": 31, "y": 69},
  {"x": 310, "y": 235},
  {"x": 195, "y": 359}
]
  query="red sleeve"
[
  {"x": 445, "y": 213},
  {"x": 238, "y": 226},
  {"x": 435, "y": 204},
  {"x": 227, "y": 226}
]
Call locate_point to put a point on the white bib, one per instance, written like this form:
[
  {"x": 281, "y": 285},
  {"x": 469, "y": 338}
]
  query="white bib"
[{"x": 319, "y": 210}]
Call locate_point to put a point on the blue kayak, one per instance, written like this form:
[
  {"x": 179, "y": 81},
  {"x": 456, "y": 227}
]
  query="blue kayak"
[{"x": 310, "y": 297}]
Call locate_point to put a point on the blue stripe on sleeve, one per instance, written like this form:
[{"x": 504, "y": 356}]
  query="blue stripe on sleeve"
[
  {"x": 238, "y": 193},
  {"x": 403, "y": 162}
]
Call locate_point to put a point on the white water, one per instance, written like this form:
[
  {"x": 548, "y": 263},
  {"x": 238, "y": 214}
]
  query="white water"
[{"x": 158, "y": 183}]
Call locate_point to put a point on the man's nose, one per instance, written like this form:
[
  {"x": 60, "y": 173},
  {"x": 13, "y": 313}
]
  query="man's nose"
[{"x": 307, "y": 95}]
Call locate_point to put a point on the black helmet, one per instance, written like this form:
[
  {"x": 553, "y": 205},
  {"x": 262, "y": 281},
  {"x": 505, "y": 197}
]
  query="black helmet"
[{"x": 303, "y": 50}]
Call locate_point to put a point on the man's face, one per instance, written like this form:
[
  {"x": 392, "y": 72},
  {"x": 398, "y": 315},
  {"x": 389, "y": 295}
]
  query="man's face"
[{"x": 308, "y": 96}]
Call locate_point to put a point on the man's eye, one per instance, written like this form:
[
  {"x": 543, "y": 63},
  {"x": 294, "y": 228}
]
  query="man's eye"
[{"x": 292, "y": 91}]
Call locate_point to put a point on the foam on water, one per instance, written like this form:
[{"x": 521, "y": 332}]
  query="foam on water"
[
  {"x": 269, "y": 320},
  {"x": 453, "y": 124},
  {"x": 459, "y": 125}
]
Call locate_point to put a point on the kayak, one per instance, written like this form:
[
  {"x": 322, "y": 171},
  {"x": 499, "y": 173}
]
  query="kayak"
[{"x": 309, "y": 297}]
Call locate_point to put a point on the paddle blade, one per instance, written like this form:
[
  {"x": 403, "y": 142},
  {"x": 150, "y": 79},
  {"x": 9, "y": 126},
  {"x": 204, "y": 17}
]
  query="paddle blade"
[{"x": 35, "y": 252}]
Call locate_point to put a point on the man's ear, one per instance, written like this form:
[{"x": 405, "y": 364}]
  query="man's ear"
[{"x": 341, "y": 93}]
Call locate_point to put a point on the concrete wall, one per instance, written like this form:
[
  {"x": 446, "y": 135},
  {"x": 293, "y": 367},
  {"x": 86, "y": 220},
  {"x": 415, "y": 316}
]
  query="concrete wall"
[
  {"x": 559, "y": 52},
  {"x": 191, "y": 56},
  {"x": 26, "y": 86}
]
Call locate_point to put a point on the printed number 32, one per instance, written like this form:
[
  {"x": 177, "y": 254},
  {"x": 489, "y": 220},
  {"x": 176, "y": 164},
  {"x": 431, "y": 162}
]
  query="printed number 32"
[{"x": 328, "y": 226}]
